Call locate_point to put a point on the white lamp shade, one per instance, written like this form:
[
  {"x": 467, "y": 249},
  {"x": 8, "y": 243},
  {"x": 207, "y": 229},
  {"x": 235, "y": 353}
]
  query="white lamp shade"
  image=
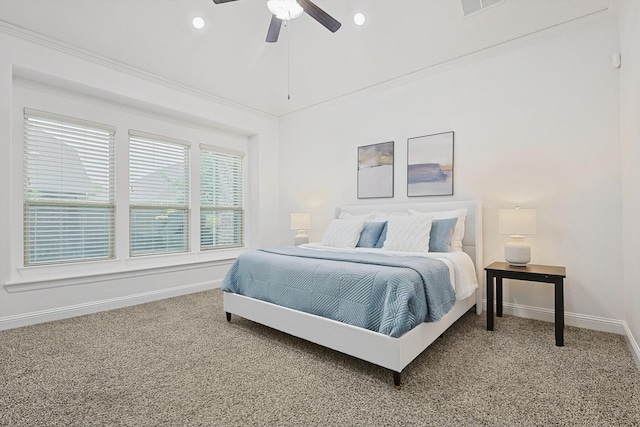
[
  {"x": 300, "y": 221},
  {"x": 517, "y": 221}
]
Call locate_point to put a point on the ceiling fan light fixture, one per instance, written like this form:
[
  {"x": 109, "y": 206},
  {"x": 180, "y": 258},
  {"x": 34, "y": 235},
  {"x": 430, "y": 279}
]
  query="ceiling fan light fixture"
[{"x": 285, "y": 10}]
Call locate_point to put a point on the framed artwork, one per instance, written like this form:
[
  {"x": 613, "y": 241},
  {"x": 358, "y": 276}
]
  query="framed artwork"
[
  {"x": 430, "y": 165},
  {"x": 375, "y": 170}
]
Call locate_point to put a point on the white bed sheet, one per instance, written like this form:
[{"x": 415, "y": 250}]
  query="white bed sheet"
[{"x": 461, "y": 269}]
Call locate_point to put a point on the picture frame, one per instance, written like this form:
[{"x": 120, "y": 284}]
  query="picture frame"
[
  {"x": 430, "y": 165},
  {"x": 375, "y": 170}
]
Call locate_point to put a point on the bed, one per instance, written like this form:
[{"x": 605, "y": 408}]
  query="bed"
[{"x": 391, "y": 352}]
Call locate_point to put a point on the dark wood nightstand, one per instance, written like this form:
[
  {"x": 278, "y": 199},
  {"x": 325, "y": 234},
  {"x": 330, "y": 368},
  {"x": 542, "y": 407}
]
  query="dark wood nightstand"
[{"x": 530, "y": 272}]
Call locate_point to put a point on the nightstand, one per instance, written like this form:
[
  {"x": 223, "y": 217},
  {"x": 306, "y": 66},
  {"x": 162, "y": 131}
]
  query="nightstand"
[{"x": 530, "y": 272}]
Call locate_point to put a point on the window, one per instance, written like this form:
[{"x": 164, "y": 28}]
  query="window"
[
  {"x": 221, "y": 198},
  {"x": 68, "y": 189},
  {"x": 158, "y": 194}
]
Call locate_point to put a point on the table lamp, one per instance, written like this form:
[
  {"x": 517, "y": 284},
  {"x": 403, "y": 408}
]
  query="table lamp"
[
  {"x": 517, "y": 222},
  {"x": 301, "y": 221}
]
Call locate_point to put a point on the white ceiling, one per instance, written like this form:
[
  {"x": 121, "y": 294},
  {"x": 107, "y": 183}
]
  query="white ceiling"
[{"x": 230, "y": 59}]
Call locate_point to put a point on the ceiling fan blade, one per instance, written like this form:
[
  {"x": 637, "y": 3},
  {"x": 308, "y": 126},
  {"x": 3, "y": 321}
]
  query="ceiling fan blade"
[
  {"x": 274, "y": 29},
  {"x": 222, "y": 1},
  {"x": 320, "y": 15}
]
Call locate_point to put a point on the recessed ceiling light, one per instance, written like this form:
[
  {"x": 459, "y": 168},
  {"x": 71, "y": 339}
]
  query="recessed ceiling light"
[
  {"x": 198, "y": 23},
  {"x": 358, "y": 18}
]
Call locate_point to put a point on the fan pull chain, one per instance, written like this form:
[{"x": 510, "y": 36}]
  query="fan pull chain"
[{"x": 288, "y": 60}]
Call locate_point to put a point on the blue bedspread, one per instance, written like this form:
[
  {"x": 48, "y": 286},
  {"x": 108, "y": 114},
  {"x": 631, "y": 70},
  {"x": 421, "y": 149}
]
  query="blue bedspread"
[{"x": 390, "y": 295}]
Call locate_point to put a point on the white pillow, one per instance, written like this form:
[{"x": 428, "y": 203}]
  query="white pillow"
[
  {"x": 408, "y": 233},
  {"x": 383, "y": 216},
  {"x": 363, "y": 217},
  {"x": 343, "y": 233},
  {"x": 458, "y": 231}
]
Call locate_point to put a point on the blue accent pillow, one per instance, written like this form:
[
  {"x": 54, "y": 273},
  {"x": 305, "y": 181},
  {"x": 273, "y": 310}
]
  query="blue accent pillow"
[
  {"x": 370, "y": 234},
  {"x": 383, "y": 236},
  {"x": 441, "y": 233}
]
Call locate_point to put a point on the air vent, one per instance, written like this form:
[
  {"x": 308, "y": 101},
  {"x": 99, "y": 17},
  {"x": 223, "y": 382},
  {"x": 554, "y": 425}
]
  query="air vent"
[{"x": 471, "y": 7}]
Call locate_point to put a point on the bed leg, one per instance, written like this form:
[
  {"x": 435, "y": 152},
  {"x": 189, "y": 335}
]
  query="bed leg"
[
  {"x": 228, "y": 316},
  {"x": 396, "y": 380}
]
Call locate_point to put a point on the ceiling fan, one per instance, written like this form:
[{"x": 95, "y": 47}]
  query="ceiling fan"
[{"x": 286, "y": 10}]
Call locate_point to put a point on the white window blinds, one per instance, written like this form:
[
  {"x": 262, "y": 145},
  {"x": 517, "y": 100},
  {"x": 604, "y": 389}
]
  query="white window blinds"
[
  {"x": 221, "y": 198},
  {"x": 159, "y": 194},
  {"x": 68, "y": 189}
]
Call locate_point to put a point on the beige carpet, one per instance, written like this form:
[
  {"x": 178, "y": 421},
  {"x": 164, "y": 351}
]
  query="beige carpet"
[{"x": 178, "y": 362}]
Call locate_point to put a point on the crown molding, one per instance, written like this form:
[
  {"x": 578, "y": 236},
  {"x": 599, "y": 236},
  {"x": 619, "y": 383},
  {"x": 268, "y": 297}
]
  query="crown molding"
[
  {"x": 68, "y": 49},
  {"x": 496, "y": 49},
  {"x": 467, "y": 58}
]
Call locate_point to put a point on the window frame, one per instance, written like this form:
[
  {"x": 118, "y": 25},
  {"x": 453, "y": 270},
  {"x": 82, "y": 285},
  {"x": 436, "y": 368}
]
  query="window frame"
[
  {"x": 75, "y": 131},
  {"x": 239, "y": 193},
  {"x": 162, "y": 208}
]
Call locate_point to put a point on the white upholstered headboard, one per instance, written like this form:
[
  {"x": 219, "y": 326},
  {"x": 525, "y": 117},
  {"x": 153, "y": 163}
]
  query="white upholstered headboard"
[{"x": 471, "y": 242}]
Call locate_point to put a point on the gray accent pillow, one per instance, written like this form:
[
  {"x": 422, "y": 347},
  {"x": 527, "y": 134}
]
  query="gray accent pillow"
[
  {"x": 370, "y": 234},
  {"x": 441, "y": 234},
  {"x": 382, "y": 238}
]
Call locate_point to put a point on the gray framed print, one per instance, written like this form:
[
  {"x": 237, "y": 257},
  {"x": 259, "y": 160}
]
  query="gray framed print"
[
  {"x": 430, "y": 165},
  {"x": 375, "y": 170}
]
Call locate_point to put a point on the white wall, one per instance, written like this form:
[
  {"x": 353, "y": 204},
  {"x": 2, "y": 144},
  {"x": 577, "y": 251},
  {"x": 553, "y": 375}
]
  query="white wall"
[
  {"x": 629, "y": 13},
  {"x": 80, "y": 84},
  {"x": 536, "y": 124}
]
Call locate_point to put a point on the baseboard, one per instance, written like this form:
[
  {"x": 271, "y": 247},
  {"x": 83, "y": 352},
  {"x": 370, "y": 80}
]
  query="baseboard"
[
  {"x": 571, "y": 319},
  {"x": 595, "y": 323},
  {"x": 633, "y": 345},
  {"x": 10, "y": 322}
]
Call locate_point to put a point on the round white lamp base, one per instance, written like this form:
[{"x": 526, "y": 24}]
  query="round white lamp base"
[
  {"x": 301, "y": 238},
  {"x": 517, "y": 252}
]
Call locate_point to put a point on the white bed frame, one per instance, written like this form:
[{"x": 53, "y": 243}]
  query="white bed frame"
[{"x": 391, "y": 353}]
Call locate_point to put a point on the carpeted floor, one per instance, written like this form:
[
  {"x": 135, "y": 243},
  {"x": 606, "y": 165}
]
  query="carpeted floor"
[{"x": 178, "y": 362}]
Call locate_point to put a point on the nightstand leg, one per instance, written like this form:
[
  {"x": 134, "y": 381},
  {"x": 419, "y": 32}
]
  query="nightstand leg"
[
  {"x": 489, "y": 301},
  {"x": 559, "y": 297},
  {"x": 499, "y": 296}
]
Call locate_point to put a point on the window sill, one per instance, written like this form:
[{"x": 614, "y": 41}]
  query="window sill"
[{"x": 53, "y": 276}]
